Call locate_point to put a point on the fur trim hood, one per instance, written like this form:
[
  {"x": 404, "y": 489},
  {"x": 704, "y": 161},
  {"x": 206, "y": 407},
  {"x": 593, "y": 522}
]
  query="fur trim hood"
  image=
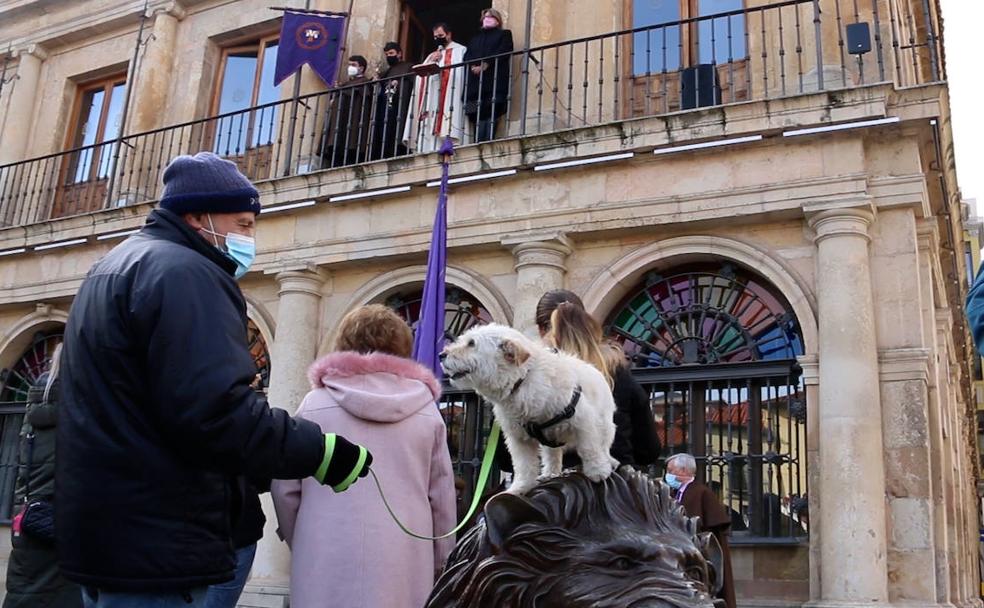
[{"x": 377, "y": 386}]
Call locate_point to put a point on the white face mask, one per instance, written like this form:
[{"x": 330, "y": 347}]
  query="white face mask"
[{"x": 353, "y": 71}]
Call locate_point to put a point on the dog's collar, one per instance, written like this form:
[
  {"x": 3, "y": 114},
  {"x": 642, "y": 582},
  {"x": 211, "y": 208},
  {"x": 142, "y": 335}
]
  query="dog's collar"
[
  {"x": 535, "y": 430},
  {"x": 516, "y": 386}
]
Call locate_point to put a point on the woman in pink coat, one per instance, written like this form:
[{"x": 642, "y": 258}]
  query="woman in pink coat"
[{"x": 346, "y": 550}]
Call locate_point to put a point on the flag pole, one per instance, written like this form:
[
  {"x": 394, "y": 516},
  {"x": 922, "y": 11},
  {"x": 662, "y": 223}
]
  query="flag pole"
[
  {"x": 429, "y": 339},
  {"x": 130, "y": 81},
  {"x": 291, "y": 129}
]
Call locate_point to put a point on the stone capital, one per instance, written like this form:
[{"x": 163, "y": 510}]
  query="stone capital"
[
  {"x": 170, "y": 9},
  {"x": 33, "y": 50},
  {"x": 810, "y": 364},
  {"x": 902, "y": 364},
  {"x": 309, "y": 281},
  {"x": 841, "y": 222},
  {"x": 539, "y": 250}
]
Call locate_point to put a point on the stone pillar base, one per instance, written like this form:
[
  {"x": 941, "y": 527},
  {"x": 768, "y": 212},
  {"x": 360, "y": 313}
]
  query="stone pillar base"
[{"x": 264, "y": 596}]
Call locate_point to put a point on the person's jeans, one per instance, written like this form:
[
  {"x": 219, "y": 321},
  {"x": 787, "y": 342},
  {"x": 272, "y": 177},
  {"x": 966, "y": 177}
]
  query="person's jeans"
[
  {"x": 225, "y": 595},
  {"x": 95, "y": 598}
]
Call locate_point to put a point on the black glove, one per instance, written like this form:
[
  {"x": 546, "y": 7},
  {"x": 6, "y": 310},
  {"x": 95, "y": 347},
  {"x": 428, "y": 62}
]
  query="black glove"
[{"x": 344, "y": 462}]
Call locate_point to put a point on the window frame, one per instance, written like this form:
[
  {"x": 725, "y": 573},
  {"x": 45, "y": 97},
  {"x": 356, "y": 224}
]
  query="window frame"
[
  {"x": 258, "y": 43},
  {"x": 106, "y": 84},
  {"x": 690, "y": 35}
]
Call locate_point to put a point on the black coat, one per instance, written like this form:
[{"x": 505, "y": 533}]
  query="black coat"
[
  {"x": 158, "y": 419},
  {"x": 491, "y": 86},
  {"x": 33, "y": 578},
  {"x": 636, "y": 436}
]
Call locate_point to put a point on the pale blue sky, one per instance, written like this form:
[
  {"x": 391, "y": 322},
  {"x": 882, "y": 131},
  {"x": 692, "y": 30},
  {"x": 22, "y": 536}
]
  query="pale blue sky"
[{"x": 963, "y": 37}]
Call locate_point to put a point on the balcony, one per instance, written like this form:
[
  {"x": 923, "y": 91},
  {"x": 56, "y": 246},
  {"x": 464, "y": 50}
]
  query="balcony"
[{"x": 763, "y": 53}]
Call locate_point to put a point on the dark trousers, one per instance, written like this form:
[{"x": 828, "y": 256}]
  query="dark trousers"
[{"x": 484, "y": 127}]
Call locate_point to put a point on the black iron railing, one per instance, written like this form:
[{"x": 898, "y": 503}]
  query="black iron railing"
[
  {"x": 744, "y": 423},
  {"x": 765, "y": 52}
]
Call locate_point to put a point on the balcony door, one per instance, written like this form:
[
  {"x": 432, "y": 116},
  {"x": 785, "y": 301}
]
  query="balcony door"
[
  {"x": 96, "y": 118},
  {"x": 679, "y": 35},
  {"x": 417, "y": 18},
  {"x": 247, "y": 125}
]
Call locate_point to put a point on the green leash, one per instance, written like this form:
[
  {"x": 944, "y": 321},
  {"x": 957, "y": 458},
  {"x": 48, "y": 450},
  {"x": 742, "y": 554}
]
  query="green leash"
[{"x": 483, "y": 477}]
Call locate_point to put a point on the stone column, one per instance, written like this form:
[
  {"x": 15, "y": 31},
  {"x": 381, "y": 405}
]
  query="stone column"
[
  {"x": 540, "y": 266},
  {"x": 852, "y": 473},
  {"x": 295, "y": 347},
  {"x": 154, "y": 73},
  {"x": 23, "y": 100},
  {"x": 140, "y": 161}
]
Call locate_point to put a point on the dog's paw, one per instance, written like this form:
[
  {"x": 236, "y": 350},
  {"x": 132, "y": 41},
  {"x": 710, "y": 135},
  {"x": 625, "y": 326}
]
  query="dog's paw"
[{"x": 598, "y": 471}]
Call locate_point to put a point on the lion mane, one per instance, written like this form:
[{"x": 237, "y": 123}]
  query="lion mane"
[{"x": 573, "y": 543}]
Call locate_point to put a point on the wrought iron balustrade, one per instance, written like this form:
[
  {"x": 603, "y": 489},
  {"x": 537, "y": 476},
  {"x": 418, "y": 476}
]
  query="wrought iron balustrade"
[{"x": 759, "y": 52}]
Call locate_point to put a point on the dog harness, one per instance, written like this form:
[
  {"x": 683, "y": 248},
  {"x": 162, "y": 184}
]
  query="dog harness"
[{"x": 535, "y": 430}]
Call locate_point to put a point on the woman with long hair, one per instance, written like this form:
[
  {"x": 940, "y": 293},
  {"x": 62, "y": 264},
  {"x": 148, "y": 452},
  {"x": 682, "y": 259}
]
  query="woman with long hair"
[{"x": 564, "y": 323}]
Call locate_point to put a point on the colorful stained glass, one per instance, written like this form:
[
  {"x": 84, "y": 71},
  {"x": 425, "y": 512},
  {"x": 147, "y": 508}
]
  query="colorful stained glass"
[
  {"x": 462, "y": 311},
  {"x": 704, "y": 314},
  {"x": 27, "y": 371},
  {"x": 258, "y": 348}
]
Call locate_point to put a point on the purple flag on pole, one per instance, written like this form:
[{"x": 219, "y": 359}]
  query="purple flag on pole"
[
  {"x": 429, "y": 340},
  {"x": 312, "y": 39}
]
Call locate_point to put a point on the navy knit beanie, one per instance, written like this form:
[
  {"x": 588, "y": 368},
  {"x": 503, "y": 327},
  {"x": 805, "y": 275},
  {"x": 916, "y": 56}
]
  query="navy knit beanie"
[{"x": 206, "y": 183}]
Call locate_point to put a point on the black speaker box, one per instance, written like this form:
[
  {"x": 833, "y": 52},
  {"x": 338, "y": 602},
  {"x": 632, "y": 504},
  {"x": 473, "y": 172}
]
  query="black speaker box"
[{"x": 699, "y": 87}]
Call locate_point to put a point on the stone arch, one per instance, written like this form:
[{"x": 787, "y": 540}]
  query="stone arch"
[
  {"x": 16, "y": 340},
  {"x": 615, "y": 281},
  {"x": 388, "y": 283},
  {"x": 259, "y": 314},
  {"x": 260, "y": 319}
]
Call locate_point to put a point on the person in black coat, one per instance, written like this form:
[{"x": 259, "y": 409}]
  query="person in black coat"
[
  {"x": 158, "y": 421},
  {"x": 486, "y": 92},
  {"x": 393, "y": 91},
  {"x": 33, "y": 578}
]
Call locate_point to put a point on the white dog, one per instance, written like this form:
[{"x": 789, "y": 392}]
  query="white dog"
[{"x": 545, "y": 401}]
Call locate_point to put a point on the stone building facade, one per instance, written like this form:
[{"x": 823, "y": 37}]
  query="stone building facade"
[{"x": 779, "y": 258}]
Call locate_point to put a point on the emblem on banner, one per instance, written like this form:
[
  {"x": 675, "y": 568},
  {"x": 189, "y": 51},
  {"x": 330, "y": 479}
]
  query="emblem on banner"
[{"x": 311, "y": 36}]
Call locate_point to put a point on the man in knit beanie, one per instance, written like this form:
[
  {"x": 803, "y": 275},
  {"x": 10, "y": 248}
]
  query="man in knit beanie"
[{"x": 159, "y": 421}]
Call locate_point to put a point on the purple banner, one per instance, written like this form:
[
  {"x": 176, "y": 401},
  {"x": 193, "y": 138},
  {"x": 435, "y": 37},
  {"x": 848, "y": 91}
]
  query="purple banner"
[
  {"x": 312, "y": 39},
  {"x": 429, "y": 340}
]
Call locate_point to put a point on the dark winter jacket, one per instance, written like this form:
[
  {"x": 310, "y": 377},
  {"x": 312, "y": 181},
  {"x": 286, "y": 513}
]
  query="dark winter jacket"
[
  {"x": 492, "y": 85},
  {"x": 33, "y": 578},
  {"x": 634, "y": 422},
  {"x": 158, "y": 419}
]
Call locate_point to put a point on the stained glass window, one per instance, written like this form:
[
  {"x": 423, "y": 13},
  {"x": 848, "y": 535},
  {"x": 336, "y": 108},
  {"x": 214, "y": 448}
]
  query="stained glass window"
[
  {"x": 705, "y": 314},
  {"x": 26, "y": 373},
  {"x": 462, "y": 311},
  {"x": 258, "y": 348}
]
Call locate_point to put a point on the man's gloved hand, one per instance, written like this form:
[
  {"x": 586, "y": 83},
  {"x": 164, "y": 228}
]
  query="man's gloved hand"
[{"x": 344, "y": 462}]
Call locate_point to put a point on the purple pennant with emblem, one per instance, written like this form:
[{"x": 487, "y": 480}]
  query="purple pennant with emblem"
[{"x": 312, "y": 39}]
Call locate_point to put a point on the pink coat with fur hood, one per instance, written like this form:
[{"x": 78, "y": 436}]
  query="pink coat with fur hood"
[{"x": 345, "y": 548}]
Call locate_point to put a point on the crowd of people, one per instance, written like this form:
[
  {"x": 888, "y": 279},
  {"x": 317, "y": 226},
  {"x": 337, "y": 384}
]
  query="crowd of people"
[
  {"x": 395, "y": 111},
  {"x": 164, "y": 443}
]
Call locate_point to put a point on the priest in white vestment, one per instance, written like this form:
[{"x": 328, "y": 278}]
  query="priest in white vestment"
[{"x": 436, "y": 109}]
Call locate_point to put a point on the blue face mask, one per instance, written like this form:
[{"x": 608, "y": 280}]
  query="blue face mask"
[
  {"x": 239, "y": 248},
  {"x": 242, "y": 250},
  {"x": 673, "y": 481}
]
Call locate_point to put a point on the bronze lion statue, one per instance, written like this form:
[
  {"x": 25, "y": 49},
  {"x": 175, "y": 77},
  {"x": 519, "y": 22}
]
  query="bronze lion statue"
[{"x": 571, "y": 543}]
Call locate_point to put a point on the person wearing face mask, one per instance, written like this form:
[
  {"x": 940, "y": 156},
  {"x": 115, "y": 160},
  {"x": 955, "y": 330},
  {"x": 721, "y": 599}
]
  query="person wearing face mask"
[
  {"x": 698, "y": 500},
  {"x": 435, "y": 104},
  {"x": 157, "y": 411},
  {"x": 487, "y": 79},
  {"x": 394, "y": 86},
  {"x": 350, "y": 117}
]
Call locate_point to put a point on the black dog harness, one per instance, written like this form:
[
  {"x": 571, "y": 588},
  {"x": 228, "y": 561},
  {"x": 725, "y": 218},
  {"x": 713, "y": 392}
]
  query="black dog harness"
[{"x": 535, "y": 430}]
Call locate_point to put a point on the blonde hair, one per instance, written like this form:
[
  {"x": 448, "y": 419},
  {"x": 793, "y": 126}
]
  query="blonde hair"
[
  {"x": 575, "y": 332},
  {"x": 491, "y": 12},
  {"x": 374, "y": 328},
  {"x": 53, "y": 371}
]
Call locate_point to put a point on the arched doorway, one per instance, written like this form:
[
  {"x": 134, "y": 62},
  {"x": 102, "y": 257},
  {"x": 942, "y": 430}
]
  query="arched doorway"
[
  {"x": 462, "y": 310},
  {"x": 15, "y": 382},
  {"x": 715, "y": 346}
]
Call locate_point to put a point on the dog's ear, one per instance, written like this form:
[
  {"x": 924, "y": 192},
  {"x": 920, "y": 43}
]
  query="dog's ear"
[
  {"x": 513, "y": 352},
  {"x": 506, "y": 512}
]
